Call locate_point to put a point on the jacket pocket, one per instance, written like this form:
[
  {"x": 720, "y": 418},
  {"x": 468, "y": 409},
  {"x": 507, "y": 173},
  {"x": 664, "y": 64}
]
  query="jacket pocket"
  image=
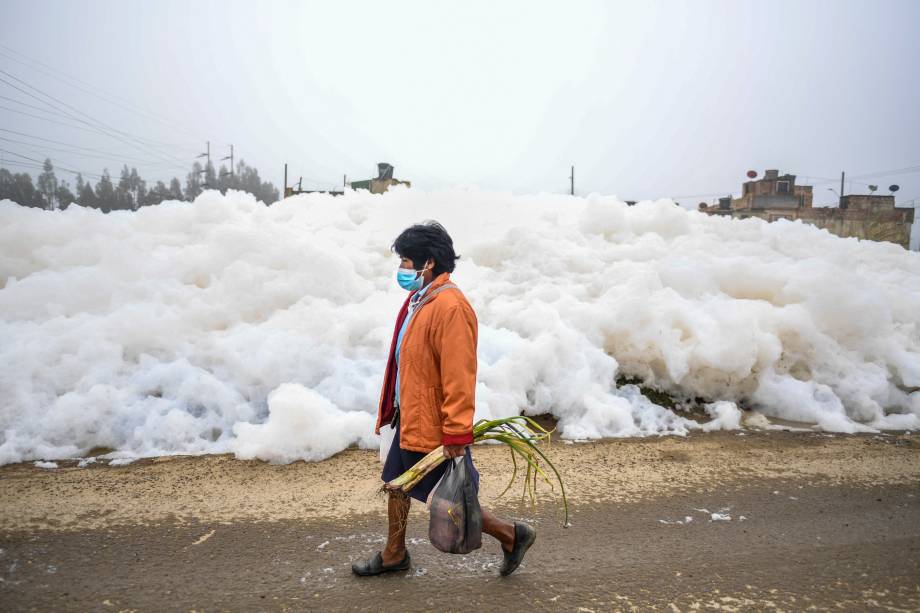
[{"x": 435, "y": 402}]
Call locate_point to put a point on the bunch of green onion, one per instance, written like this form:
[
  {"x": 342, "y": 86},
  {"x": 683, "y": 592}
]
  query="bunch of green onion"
[{"x": 521, "y": 434}]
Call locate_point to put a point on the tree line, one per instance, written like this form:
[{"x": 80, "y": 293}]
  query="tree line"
[{"x": 130, "y": 192}]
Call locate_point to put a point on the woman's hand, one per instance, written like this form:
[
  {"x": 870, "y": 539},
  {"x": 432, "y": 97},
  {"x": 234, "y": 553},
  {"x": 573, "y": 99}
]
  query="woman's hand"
[{"x": 454, "y": 451}]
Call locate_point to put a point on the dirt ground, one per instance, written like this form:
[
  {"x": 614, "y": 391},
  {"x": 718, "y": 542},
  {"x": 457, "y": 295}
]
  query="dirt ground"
[{"x": 731, "y": 521}]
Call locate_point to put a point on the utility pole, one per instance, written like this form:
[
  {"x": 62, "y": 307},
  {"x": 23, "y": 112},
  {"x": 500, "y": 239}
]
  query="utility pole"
[
  {"x": 344, "y": 180},
  {"x": 285, "y": 180},
  {"x": 842, "y": 175},
  {"x": 572, "y": 181},
  {"x": 206, "y": 154},
  {"x": 229, "y": 157}
]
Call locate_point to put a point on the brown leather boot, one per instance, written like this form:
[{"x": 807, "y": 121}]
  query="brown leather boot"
[
  {"x": 398, "y": 517},
  {"x": 394, "y": 556}
]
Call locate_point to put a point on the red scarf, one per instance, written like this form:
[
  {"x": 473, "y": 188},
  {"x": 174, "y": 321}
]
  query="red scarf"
[{"x": 386, "y": 410}]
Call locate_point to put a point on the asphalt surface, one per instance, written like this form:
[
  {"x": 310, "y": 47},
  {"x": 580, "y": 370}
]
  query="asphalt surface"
[
  {"x": 753, "y": 521},
  {"x": 783, "y": 548}
]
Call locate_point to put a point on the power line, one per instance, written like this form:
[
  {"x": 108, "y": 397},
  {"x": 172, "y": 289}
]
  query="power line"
[
  {"x": 143, "y": 140},
  {"x": 821, "y": 181},
  {"x": 828, "y": 180},
  {"x": 24, "y": 164},
  {"x": 100, "y": 127},
  {"x": 89, "y": 89},
  {"x": 43, "y": 110},
  {"x": 60, "y": 123},
  {"x": 119, "y": 158},
  {"x": 712, "y": 195},
  {"x": 59, "y": 112},
  {"x": 90, "y": 127},
  {"x": 31, "y": 106},
  {"x": 57, "y": 142},
  {"x": 114, "y": 156},
  {"x": 42, "y": 164},
  {"x": 892, "y": 172},
  {"x": 31, "y": 159},
  {"x": 53, "y": 113},
  {"x": 879, "y": 174},
  {"x": 109, "y": 97},
  {"x": 109, "y": 157},
  {"x": 70, "y": 125}
]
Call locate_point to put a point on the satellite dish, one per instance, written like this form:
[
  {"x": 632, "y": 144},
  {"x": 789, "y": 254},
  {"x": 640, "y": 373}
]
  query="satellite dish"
[
  {"x": 752, "y": 174},
  {"x": 893, "y": 188},
  {"x": 873, "y": 188}
]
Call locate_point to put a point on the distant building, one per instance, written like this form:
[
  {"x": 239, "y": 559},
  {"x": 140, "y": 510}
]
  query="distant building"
[
  {"x": 776, "y": 196},
  {"x": 375, "y": 186},
  {"x": 774, "y": 192},
  {"x": 298, "y": 189},
  {"x": 383, "y": 181}
]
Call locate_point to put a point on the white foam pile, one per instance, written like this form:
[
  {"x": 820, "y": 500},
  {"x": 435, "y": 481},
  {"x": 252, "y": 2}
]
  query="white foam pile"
[{"x": 225, "y": 325}]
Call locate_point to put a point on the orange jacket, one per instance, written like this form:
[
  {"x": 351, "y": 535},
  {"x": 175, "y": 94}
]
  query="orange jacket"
[{"x": 437, "y": 371}]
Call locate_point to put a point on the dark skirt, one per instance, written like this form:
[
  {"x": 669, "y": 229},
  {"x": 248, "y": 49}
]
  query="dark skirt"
[{"x": 400, "y": 460}]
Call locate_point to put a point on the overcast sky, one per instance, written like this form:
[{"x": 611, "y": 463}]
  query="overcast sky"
[{"x": 646, "y": 99}]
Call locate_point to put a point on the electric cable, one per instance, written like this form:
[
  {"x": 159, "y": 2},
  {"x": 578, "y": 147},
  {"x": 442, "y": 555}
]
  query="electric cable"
[
  {"x": 99, "y": 127},
  {"x": 89, "y": 89}
]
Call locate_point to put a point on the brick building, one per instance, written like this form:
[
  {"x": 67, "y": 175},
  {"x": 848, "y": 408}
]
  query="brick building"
[{"x": 776, "y": 196}]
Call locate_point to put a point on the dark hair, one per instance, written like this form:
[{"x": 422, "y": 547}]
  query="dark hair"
[{"x": 427, "y": 240}]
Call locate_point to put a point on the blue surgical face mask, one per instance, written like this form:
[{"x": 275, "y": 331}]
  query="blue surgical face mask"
[{"x": 410, "y": 280}]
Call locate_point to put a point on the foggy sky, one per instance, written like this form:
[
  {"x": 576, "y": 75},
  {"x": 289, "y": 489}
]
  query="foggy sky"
[{"x": 646, "y": 99}]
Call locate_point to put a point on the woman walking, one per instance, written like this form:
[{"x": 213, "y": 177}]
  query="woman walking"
[{"x": 429, "y": 389}]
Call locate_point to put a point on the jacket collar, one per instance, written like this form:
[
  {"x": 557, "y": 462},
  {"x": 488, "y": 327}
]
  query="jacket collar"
[{"x": 437, "y": 282}]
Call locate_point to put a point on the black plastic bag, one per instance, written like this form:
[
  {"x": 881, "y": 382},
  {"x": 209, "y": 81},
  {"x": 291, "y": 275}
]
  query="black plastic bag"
[{"x": 455, "y": 525}]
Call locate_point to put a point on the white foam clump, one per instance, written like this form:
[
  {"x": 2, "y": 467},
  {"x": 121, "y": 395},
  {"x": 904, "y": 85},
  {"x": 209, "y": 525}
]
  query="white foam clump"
[
  {"x": 301, "y": 425},
  {"x": 122, "y": 461},
  {"x": 165, "y": 330},
  {"x": 47, "y": 465},
  {"x": 725, "y": 416}
]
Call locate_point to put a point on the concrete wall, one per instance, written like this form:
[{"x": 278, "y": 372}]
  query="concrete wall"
[
  {"x": 867, "y": 201},
  {"x": 775, "y": 201},
  {"x": 891, "y": 225},
  {"x": 865, "y": 216}
]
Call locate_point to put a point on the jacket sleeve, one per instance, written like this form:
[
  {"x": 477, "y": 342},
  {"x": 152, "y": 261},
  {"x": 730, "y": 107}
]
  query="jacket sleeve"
[{"x": 455, "y": 342}]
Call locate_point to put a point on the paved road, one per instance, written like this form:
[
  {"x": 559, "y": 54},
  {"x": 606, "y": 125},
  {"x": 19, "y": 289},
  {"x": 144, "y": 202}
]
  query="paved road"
[{"x": 787, "y": 546}]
